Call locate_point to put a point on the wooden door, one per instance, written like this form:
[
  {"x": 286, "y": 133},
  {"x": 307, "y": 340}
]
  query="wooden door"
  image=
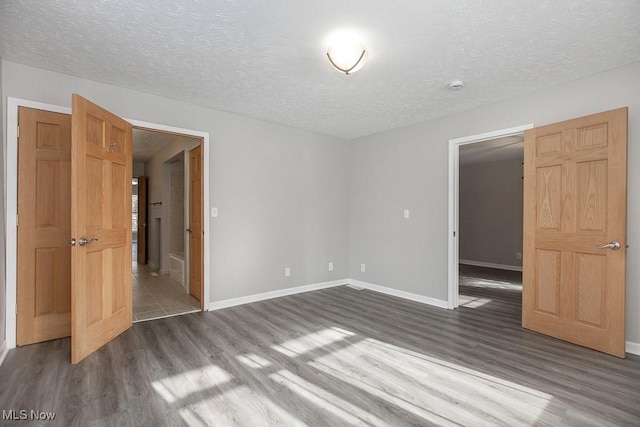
[
  {"x": 44, "y": 226},
  {"x": 575, "y": 201},
  {"x": 142, "y": 220},
  {"x": 101, "y": 170},
  {"x": 195, "y": 223}
]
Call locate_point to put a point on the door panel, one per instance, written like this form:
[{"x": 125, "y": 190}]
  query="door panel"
[
  {"x": 100, "y": 204},
  {"x": 44, "y": 226},
  {"x": 142, "y": 220},
  {"x": 575, "y": 200},
  {"x": 195, "y": 223}
]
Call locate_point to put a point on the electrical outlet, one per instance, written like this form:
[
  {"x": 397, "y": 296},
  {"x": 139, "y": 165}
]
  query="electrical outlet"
[
  {"x": 406, "y": 213},
  {"x": 518, "y": 255},
  {"x": 363, "y": 268},
  {"x": 214, "y": 212},
  {"x": 287, "y": 271},
  {"x": 330, "y": 266}
]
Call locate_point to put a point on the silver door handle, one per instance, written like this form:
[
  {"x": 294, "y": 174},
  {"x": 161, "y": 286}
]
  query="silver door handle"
[
  {"x": 84, "y": 241},
  {"x": 613, "y": 245},
  {"x": 72, "y": 241}
]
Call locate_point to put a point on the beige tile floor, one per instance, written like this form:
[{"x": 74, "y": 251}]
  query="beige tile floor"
[{"x": 158, "y": 296}]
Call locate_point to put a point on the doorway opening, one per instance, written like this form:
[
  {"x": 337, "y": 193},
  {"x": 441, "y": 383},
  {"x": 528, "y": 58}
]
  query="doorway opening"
[
  {"x": 161, "y": 214},
  {"x": 490, "y": 184},
  {"x": 477, "y": 149}
]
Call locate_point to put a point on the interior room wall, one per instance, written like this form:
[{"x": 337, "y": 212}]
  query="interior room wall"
[
  {"x": 490, "y": 219},
  {"x": 281, "y": 192},
  {"x": 407, "y": 168}
]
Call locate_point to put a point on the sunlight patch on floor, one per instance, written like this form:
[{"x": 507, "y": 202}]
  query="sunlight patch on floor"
[
  {"x": 428, "y": 387},
  {"x": 180, "y": 386},
  {"x": 486, "y": 283},
  {"x": 312, "y": 341},
  {"x": 325, "y": 400},
  {"x": 472, "y": 302},
  {"x": 425, "y": 388},
  {"x": 240, "y": 405},
  {"x": 191, "y": 418},
  {"x": 253, "y": 361},
  {"x": 419, "y": 409}
]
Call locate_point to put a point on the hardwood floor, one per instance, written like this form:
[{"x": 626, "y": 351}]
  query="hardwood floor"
[{"x": 332, "y": 357}]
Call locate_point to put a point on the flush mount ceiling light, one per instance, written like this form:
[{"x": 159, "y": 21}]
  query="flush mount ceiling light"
[{"x": 346, "y": 52}]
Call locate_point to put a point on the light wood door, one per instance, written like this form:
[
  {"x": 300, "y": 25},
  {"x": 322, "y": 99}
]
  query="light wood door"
[
  {"x": 142, "y": 220},
  {"x": 195, "y": 223},
  {"x": 574, "y": 201},
  {"x": 101, "y": 170},
  {"x": 44, "y": 226}
]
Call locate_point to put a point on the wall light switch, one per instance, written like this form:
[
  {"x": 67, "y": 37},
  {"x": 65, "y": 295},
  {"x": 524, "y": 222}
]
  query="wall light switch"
[
  {"x": 406, "y": 213},
  {"x": 330, "y": 266},
  {"x": 214, "y": 212},
  {"x": 287, "y": 271},
  {"x": 363, "y": 268}
]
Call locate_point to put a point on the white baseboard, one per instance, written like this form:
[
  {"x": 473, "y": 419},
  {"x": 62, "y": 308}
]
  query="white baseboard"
[
  {"x": 4, "y": 349},
  {"x": 491, "y": 265},
  {"x": 400, "y": 294},
  {"x": 219, "y": 305},
  {"x": 633, "y": 348}
]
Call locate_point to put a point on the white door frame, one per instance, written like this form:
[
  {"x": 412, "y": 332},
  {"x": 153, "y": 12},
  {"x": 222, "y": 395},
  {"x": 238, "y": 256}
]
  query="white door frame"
[
  {"x": 11, "y": 201},
  {"x": 454, "y": 189}
]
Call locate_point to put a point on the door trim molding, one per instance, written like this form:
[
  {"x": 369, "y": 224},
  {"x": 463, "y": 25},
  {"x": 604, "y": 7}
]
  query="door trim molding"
[
  {"x": 11, "y": 201},
  {"x": 454, "y": 188}
]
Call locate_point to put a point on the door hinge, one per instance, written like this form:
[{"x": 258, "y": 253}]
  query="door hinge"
[
  {"x": 18, "y": 132},
  {"x": 17, "y": 216}
]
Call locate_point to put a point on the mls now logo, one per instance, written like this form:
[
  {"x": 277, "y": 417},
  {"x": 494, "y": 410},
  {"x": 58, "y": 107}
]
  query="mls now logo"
[{"x": 23, "y": 415}]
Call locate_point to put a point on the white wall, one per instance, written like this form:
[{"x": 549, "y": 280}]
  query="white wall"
[
  {"x": 490, "y": 216},
  {"x": 280, "y": 191},
  {"x": 407, "y": 169}
]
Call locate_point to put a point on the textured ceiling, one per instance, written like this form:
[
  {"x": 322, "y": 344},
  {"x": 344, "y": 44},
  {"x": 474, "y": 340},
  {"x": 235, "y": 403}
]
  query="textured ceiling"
[
  {"x": 494, "y": 150},
  {"x": 146, "y": 143},
  {"x": 266, "y": 59}
]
